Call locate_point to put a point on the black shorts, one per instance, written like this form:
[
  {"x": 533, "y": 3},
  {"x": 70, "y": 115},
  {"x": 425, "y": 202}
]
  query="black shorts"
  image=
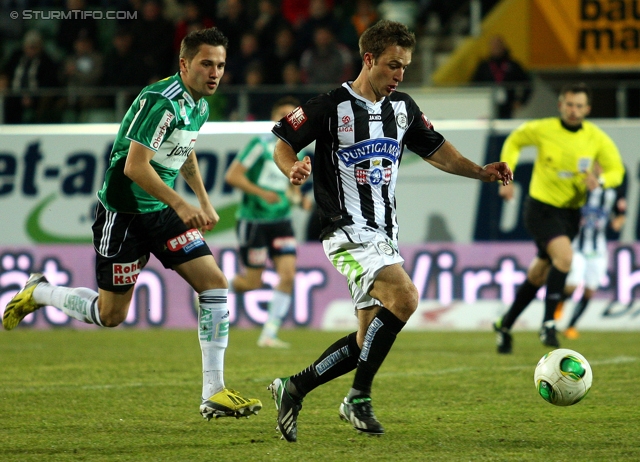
[
  {"x": 258, "y": 240},
  {"x": 546, "y": 222},
  {"x": 124, "y": 241}
]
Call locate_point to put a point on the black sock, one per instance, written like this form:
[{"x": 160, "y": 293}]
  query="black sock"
[
  {"x": 578, "y": 310},
  {"x": 525, "y": 294},
  {"x": 339, "y": 359},
  {"x": 377, "y": 342},
  {"x": 555, "y": 292}
]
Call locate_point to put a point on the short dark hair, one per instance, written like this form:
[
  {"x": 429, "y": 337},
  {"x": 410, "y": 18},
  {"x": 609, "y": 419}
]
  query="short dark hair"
[
  {"x": 285, "y": 101},
  {"x": 384, "y": 33},
  {"x": 191, "y": 43},
  {"x": 576, "y": 87}
]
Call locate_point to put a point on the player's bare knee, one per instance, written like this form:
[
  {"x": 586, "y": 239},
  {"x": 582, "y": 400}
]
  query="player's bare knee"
[
  {"x": 563, "y": 263},
  {"x": 218, "y": 280},
  {"x": 404, "y": 301},
  {"x": 537, "y": 280},
  {"x": 112, "y": 319},
  {"x": 286, "y": 282}
]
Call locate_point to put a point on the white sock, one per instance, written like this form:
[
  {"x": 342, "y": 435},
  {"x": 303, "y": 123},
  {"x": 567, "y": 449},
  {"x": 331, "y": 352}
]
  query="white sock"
[
  {"x": 80, "y": 303},
  {"x": 213, "y": 331},
  {"x": 278, "y": 309}
]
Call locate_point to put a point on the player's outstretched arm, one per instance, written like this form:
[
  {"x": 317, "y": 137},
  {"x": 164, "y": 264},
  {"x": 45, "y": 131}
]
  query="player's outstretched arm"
[
  {"x": 448, "y": 159},
  {"x": 236, "y": 176},
  {"x": 285, "y": 157}
]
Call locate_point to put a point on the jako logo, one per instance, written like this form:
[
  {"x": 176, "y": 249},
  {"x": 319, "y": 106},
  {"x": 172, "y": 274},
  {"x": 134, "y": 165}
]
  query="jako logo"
[{"x": 184, "y": 151}]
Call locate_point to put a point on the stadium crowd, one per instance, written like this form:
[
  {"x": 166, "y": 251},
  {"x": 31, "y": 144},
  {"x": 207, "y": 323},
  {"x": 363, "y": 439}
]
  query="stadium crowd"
[
  {"x": 69, "y": 48},
  {"x": 271, "y": 42}
]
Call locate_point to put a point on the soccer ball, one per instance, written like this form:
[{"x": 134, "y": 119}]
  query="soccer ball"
[{"x": 563, "y": 377}]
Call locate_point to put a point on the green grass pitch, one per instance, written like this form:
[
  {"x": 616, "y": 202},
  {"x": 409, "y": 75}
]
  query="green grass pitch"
[{"x": 133, "y": 395}]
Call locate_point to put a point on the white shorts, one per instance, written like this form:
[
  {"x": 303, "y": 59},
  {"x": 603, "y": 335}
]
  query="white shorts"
[
  {"x": 360, "y": 254},
  {"x": 588, "y": 270}
]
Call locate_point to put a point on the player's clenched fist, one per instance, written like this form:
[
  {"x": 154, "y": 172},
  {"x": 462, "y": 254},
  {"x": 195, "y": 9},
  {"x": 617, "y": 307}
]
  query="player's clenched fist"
[{"x": 300, "y": 171}]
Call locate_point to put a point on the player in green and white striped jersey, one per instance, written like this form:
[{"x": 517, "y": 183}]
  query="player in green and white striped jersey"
[
  {"x": 264, "y": 228},
  {"x": 140, "y": 214}
]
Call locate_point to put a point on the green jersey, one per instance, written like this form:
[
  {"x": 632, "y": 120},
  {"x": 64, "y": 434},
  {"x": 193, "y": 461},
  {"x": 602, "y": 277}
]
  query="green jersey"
[
  {"x": 164, "y": 118},
  {"x": 257, "y": 158}
]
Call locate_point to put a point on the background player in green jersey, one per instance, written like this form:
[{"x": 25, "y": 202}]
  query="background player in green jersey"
[
  {"x": 264, "y": 227},
  {"x": 567, "y": 148},
  {"x": 139, "y": 213}
]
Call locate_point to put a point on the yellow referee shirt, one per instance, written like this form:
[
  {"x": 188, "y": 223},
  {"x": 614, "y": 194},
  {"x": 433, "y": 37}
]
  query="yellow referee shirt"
[{"x": 563, "y": 160}]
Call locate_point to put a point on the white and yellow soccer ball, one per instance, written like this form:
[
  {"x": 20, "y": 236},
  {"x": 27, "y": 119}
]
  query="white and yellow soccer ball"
[{"x": 563, "y": 377}]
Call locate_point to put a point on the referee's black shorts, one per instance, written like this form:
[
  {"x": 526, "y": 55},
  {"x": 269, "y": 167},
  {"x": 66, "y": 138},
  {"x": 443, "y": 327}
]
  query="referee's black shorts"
[{"x": 546, "y": 222}]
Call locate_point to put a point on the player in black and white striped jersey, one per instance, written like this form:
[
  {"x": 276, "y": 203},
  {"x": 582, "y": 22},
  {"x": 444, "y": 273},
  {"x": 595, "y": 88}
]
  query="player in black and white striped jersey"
[
  {"x": 605, "y": 207},
  {"x": 360, "y": 131}
]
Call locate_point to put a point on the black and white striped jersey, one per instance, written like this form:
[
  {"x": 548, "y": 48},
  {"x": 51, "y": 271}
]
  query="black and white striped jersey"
[
  {"x": 359, "y": 146},
  {"x": 596, "y": 213}
]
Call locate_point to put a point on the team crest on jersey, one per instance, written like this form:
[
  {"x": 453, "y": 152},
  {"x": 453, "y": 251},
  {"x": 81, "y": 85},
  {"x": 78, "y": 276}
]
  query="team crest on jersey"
[
  {"x": 203, "y": 108},
  {"x": 296, "y": 118},
  {"x": 375, "y": 176},
  {"x": 385, "y": 248},
  {"x": 401, "y": 120}
]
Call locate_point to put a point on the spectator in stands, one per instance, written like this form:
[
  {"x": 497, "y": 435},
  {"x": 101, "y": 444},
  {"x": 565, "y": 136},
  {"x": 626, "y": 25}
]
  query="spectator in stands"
[
  {"x": 193, "y": 19},
  {"x": 356, "y": 21},
  {"x": 291, "y": 75},
  {"x": 249, "y": 53},
  {"x": 321, "y": 14},
  {"x": 153, "y": 37},
  {"x": 364, "y": 16},
  {"x": 260, "y": 102},
  {"x": 268, "y": 23},
  {"x": 295, "y": 12},
  {"x": 328, "y": 61},
  {"x": 283, "y": 51},
  {"x": 70, "y": 28},
  {"x": 505, "y": 73},
  {"x": 83, "y": 69},
  {"x": 233, "y": 21},
  {"x": 123, "y": 66},
  {"x": 30, "y": 68}
]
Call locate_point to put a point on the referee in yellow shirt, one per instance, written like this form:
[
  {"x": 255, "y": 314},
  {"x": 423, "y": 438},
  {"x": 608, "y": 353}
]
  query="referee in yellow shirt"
[{"x": 562, "y": 174}]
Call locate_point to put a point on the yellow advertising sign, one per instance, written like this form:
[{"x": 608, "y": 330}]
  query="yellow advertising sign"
[{"x": 598, "y": 34}]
